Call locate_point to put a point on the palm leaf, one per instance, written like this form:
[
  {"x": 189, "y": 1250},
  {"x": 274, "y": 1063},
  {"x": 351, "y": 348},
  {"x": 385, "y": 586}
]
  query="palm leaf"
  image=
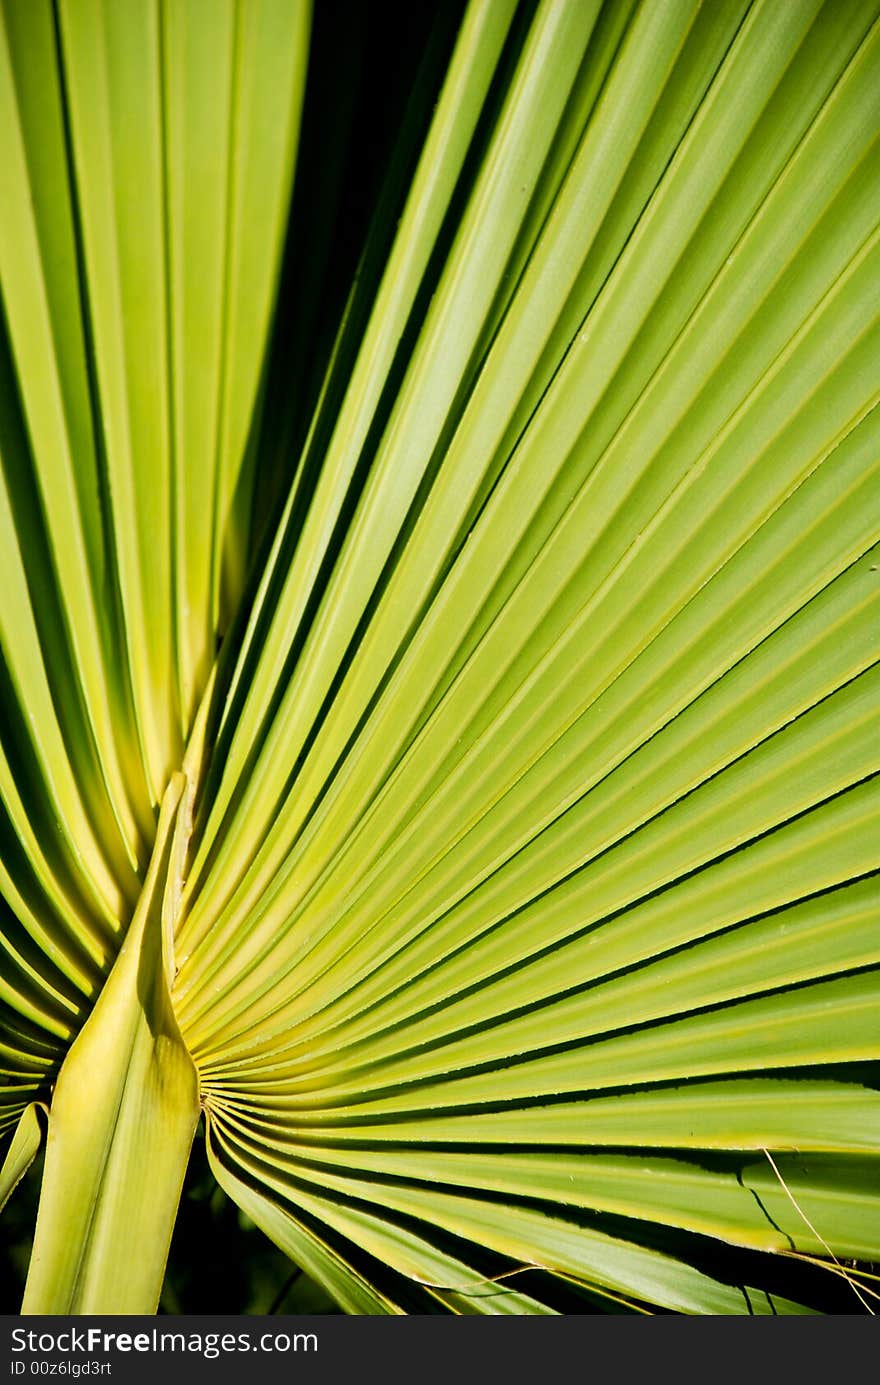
[{"x": 498, "y": 622}]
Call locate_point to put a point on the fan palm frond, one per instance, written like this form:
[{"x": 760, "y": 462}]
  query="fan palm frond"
[{"x": 438, "y": 733}]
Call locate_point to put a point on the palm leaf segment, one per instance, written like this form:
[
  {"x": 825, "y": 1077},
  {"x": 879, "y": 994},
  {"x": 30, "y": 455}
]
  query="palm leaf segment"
[{"x": 528, "y": 913}]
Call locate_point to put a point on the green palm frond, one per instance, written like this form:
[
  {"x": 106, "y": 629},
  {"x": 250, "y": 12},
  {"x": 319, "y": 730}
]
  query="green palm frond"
[{"x": 446, "y": 658}]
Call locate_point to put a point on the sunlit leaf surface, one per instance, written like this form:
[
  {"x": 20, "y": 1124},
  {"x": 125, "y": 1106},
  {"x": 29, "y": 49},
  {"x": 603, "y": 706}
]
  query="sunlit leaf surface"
[{"x": 515, "y": 524}]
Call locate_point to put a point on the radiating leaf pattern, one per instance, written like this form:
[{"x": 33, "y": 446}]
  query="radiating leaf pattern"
[{"x": 528, "y": 945}]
